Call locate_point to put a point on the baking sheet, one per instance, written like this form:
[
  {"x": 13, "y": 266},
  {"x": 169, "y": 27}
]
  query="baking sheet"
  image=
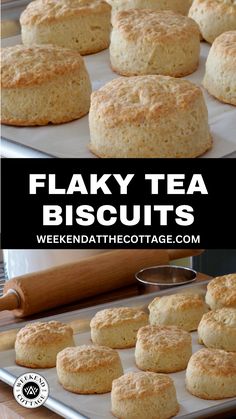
[
  {"x": 71, "y": 139},
  {"x": 98, "y": 406}
]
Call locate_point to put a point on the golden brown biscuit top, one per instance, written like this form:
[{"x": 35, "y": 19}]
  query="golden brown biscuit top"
[
  {"x": 180, "y": 302},
  {"x": 44, "y": 333},
  {"x": 223, "y": 288},
  {"x": 225, "y": 6},
  {"x": 142, "y": 98},
  {"x": 135, "y": 385},
  {"x": 163, "y": 337},
  {"x": 48, "y": 11},
  {"x": 154, "y": 26},
  {"x": 223, "y": 317},
  {"x": 225, "y": 44},
  {"x": 214, "y": 362},
  {"x": 25, "y": 66},
  {"x": 117, "y": 316},
  {"x": 86, "y": 358}
]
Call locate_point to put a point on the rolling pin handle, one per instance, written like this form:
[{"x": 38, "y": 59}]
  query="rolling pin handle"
[
  {"x": 183, "y": 253},
  {"x": 10, "y": 300}
]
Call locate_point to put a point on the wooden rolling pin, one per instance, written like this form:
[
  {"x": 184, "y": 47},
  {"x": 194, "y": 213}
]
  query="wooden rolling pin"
[{"x": 54, "y": 287}]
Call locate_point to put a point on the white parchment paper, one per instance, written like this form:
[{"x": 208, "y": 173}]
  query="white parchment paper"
[
  {"x": 72, "y": 139},
  {"x": 99, "y": 406}
]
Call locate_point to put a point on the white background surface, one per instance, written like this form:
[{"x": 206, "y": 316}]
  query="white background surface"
[{"x": 72, "y": 139}]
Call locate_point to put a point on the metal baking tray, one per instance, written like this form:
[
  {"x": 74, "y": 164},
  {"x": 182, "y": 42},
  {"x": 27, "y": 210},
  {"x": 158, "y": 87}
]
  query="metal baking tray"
[{"x": 72, "y": 406}]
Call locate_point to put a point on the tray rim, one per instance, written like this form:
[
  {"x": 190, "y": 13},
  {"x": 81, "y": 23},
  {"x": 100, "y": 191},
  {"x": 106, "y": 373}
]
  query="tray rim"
[
  {"x": 69, "y": 316},
  {"x": 70, "y": 413},
  {"x": 51, "y": 403}
]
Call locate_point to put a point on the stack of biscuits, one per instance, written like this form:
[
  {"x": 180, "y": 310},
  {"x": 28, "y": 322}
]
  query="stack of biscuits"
[
  {"x": 162, "y": 343},
  {"x": 149, "y": 111}
]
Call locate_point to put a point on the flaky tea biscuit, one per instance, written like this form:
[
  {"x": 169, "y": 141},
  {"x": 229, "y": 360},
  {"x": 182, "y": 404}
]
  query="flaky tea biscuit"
[
  {"x": 117, "y": 327},
  {"x": 149, "y": 116},
  {"x": 88, "y": 369},
  {"x": 178, "y": 6},
  {"x": 145, "y": 41},
  {"x": 221, "y": 292},
  {"x": 163, "y": 349},
  {"x": 37, "y": 344},
  {"x": 144, "y": 395},
  {"x": 211, "y": 374},
  {"x": 182, "y": 310},
  {"x": 214, "y": 17},
  {"x": 220, "y": 74},
  {"x": 42, "y": 85},
  {"x": 217, "y": 329},
  {"x": 83, "y": 25}
]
